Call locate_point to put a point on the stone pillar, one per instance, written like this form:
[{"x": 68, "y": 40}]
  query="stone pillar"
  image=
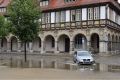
[
  {"x": 30, "y": 47},
  {"x": 103, "y": 47},
  {"x": 8, "y": 46},
  {"x": 42, "y": 47},
  {"x": 71, "y": 47},
  {"x": 19, "y": 46},
  {"x": 56, "y": 47},
  {"x": 88, "y": 46},
  {"x": 83, "y": 43}
]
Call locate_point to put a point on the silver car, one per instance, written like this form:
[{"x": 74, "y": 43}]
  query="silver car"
[{"x": 83, "y": 57}]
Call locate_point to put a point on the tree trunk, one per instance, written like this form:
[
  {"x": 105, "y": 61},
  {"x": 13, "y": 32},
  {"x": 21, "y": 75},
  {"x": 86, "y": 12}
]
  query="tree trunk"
[{"x": 25, "y": 55}]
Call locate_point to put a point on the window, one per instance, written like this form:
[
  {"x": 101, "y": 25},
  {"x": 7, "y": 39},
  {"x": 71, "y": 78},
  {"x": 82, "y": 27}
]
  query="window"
[
  {"x": 96, "y": 13},
  {"x": 43, "y": 18},
  {"x": 52, "y": 17},
  {"x": 78, "y": 15},
  {"x": 47, "y": 17},
  {"x": 67, "y": 15},
  {"x": 73, "y": 17},
  {"x": 2, "y": 9},
  {"x": 63, "y": 16},
  {"x": 44, "y": 2},
  {"x": 110, "y": 14},
  {"x": 57, "y": 18},
  {"x": 90, "y": 13},
  {"x": 69, "y": 0},
  {"x": 116, "y": 18}
]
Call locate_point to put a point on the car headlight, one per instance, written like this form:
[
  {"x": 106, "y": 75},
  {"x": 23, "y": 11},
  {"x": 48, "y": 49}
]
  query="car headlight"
[{"x": 80, "y": 60}]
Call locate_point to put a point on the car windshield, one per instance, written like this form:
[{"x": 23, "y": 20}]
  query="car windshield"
[{"x": 83, "y": 54}]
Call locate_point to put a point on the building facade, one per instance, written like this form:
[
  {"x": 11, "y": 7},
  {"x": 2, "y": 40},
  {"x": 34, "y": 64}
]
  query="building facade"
[{"x": 70, "y": 25}]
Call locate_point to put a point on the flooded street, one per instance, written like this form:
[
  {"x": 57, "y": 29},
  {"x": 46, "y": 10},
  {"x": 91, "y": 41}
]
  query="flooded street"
[{"x": 57, "y": 68}]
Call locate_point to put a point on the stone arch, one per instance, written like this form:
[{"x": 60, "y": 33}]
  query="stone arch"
[
  {"x": 4, "y": 44},
  {"x": 36, "y": 44},
  {"x": 64, "y": 43},
  {"x": 95, "y": 42},
  {"x": 49, "y": 43},
  {"x": 14, "y": 44},
  {"x": 80, "y": 42}
]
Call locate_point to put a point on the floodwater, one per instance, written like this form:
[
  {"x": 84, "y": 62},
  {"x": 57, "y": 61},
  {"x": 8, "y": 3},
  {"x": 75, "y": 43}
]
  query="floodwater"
[{"x": 56, "y": 69}]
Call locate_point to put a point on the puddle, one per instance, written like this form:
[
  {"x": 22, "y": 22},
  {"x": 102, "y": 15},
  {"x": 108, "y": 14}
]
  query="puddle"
[{"x": 64, "y": 64}]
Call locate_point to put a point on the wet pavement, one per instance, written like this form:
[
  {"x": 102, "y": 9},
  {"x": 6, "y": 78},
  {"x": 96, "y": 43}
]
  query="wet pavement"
[{"x": 59, "y": 68}]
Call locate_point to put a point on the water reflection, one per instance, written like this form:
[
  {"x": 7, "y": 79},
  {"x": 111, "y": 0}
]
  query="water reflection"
[{"x": 65, "y": 64}]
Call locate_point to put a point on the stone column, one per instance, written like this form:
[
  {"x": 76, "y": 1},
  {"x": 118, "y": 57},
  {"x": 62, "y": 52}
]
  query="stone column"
[
  {"x": 56, "y": 47},
  {"x": 88, "y": 46},
  {"x": 19, "y": 46},
  {"x": 8, "y": 46},
  {"x": 71, "y": 47},
  {"x": 30, "y": 47},
  {"x": 42, "y": 47},
  {"x": 103, "y": 47},
  {"x": 83, "y": 43}
]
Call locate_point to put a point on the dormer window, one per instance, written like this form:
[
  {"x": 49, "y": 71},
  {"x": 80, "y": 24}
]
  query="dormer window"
[
  {"x": 69, "y": 0},
  {"x": 44, "y": 2}
]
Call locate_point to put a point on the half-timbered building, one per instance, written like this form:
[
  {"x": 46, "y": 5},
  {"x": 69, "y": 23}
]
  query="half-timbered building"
[{"x": 70, "y": 25}]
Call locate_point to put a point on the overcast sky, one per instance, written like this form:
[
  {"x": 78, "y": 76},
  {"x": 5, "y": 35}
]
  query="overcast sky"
[{"x": 119, "y": 1}]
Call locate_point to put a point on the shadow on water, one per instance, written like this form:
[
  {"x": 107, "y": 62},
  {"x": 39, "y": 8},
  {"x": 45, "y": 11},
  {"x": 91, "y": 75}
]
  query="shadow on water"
[{"x": 59, "y": 64}]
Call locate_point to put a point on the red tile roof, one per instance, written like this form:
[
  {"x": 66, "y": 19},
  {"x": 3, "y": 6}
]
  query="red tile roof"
[
  {"x": 4, "y": 3},
  {"x": 56, "y": 4}
]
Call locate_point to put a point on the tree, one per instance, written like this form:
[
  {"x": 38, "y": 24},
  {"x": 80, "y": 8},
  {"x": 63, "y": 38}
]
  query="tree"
[
  {"x": 4, "y": 28},
  {"x": 24, "y": 16}
]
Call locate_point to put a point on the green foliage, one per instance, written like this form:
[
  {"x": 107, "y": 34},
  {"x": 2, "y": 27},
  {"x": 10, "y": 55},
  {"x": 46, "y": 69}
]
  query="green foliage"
[
  {"x": 24, "y": 16},
  {"x": 4, "y": 27}
]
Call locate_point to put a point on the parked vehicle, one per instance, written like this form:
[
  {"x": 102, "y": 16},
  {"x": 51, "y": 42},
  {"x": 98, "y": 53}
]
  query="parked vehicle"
[{"x": 83, "y": 57}]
